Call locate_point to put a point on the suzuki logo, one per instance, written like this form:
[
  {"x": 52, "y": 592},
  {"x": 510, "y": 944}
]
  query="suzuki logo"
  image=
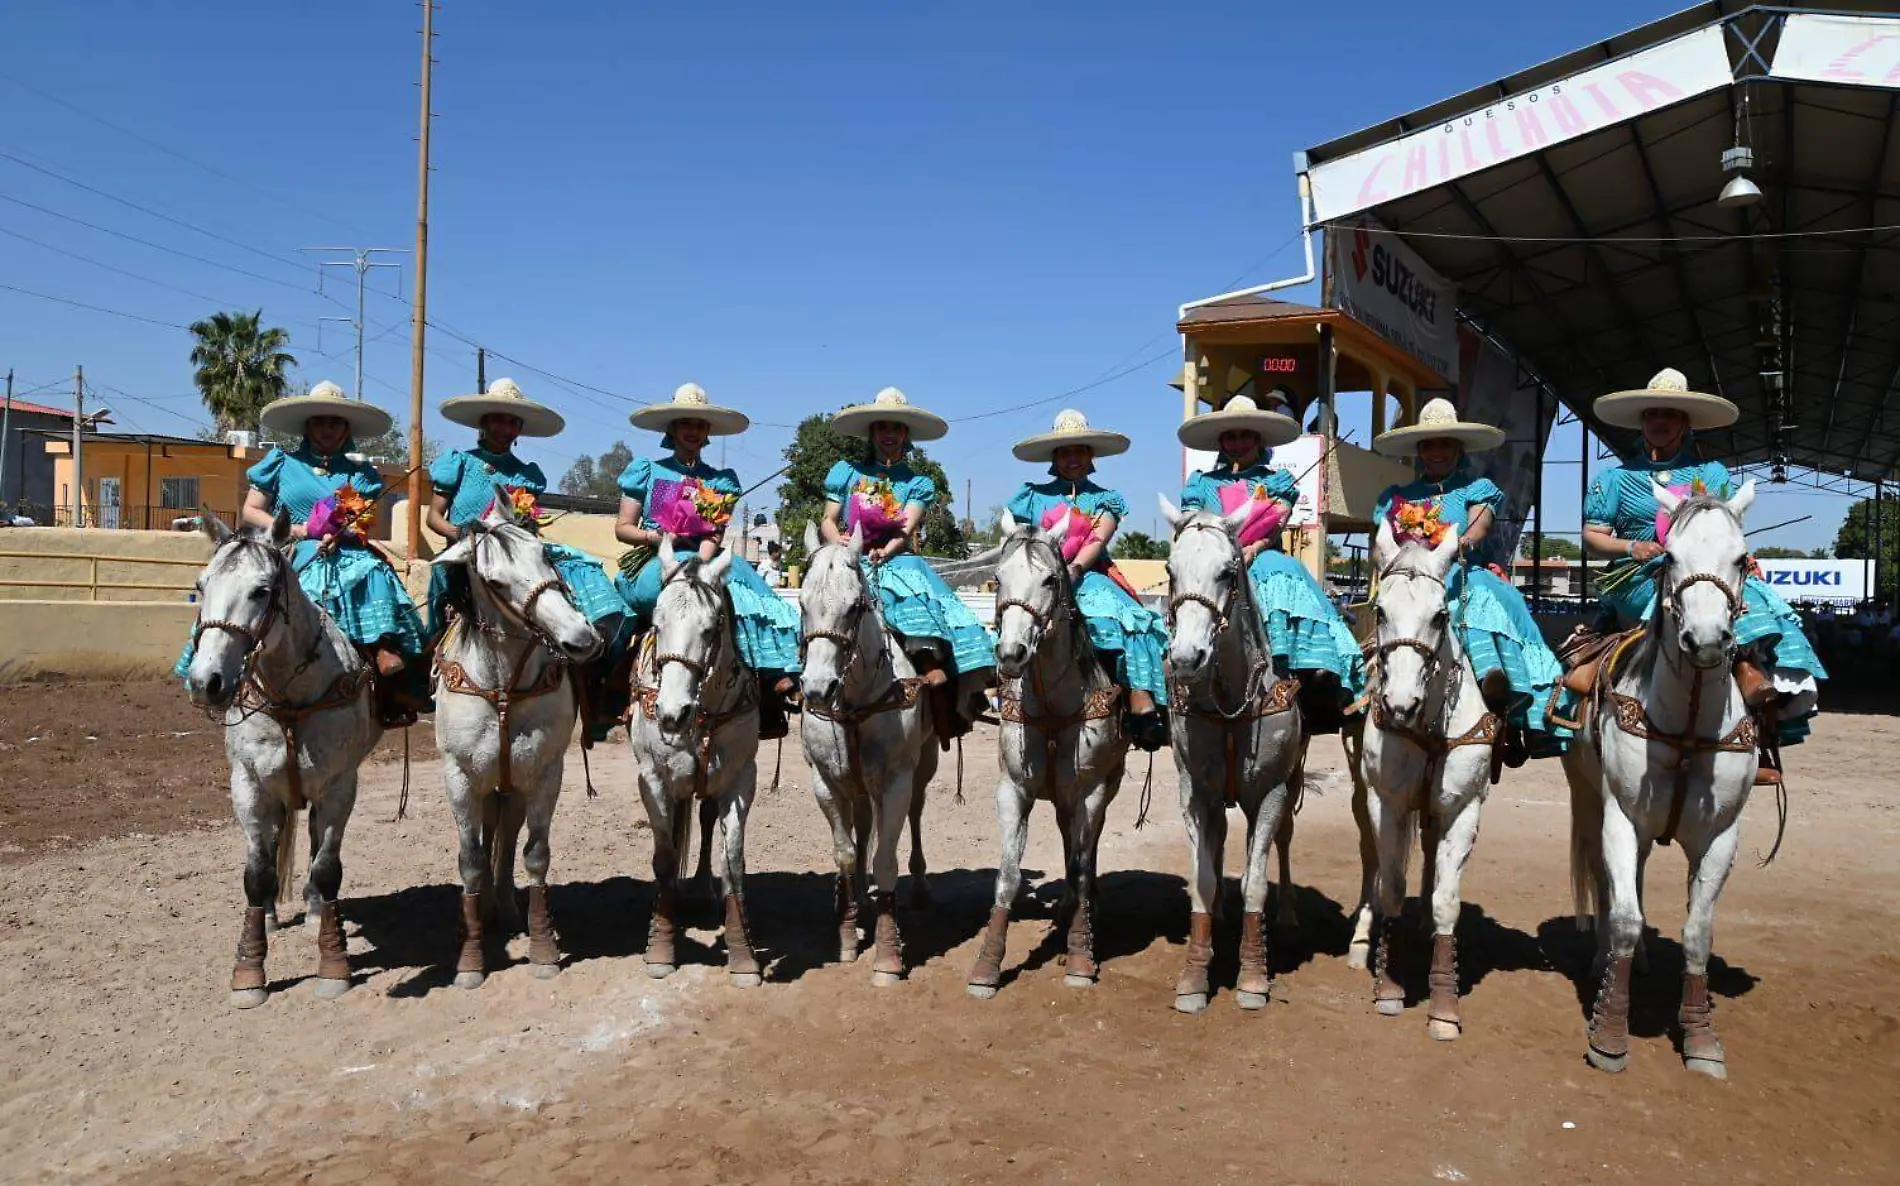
[{"x": 1361, "y": 243}]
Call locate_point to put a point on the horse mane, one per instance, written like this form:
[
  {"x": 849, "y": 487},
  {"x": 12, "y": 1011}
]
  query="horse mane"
[{"x": 1080, "y": 645}]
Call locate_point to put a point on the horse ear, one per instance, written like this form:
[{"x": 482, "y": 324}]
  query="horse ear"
[
  {"x": 1666, "y": 498},
  {"x": 1169, "y": 511},
  {"x": 812, "y": 540},
  {"x": 457, "y": 552},
  {"x": 1744, "y": 498},
  {"x": 1007, "y": 524},
  {"x": 1446, "y": 553},
  {"x": 669, "y": 563},
  {"x": 214, "y": 528},
  {"x": 856, "y": 542},
  {"x": 1385, "y": 543},
  {"x": 716, "y": 571},
  {"x": 1237, "y": 518},
  {"x": 280, "y": 527},
  {"x": 502, "y": 499}
]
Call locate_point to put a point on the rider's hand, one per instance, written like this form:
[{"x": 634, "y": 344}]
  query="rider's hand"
[
  {"x": 298, "y": 531},
  {"x": 1249, "y": 553},
  {"x": 1075, "y": 574},
  {"x": 1644, "y": 550}
]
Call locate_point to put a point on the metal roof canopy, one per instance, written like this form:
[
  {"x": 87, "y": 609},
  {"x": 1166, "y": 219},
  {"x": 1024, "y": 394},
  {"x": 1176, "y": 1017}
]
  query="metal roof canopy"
[{"x": 1604, "y": 258}]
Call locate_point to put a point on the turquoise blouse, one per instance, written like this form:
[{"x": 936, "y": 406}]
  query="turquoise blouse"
[
  {"x": 636, "y": 481},
  {"x": 1623, "y": 499},
  {"x": 909, "y": 485},
  {"x": 299, "y": 478},
  {"x": 467, "y": 478},
  {"x": 1456, "y": 496},
  {"x": 1202, "y": 492},
  {"x": 1033, "y": 501}
]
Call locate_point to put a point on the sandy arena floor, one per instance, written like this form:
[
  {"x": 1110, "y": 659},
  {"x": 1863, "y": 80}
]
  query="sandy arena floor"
[{"x": 120, "y": 1060}]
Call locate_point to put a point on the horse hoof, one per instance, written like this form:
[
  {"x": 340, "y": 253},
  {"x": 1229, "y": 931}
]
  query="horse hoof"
[
  {"x": 271, "y": 925},
  {"x": 546, "y": 971},
  {"x": 1079, "y": 981},
  {"x": 329, "y": 989},
  {"x": 1714, "y": 1068},
  {"x": 660, "y": 971},
  {"x": 1356, "y": 956},
  {"x": 746, "y": 979},
  {"x": 470, "y": 979},
  {"x": 1191, "y": 1003},
  {"x": 981, "y": 992},
  {"x": 1389, "y": 1008},
  {"x": 1251, "y": 1000},
  {"x": 248, "y": 998},
  {"x": 1606, "y": 1062},
  {"x": 885, "y": 979},
  {"x": 1443, "y": 1031}
]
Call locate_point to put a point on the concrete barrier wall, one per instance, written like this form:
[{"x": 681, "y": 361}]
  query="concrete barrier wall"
[
  {"x": 92, "y": 640},
  {"x": 167, "y": 559}
]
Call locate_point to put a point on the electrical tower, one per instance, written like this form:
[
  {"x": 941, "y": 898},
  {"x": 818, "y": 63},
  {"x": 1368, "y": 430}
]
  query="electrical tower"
[{"x": 361, "y": 260}]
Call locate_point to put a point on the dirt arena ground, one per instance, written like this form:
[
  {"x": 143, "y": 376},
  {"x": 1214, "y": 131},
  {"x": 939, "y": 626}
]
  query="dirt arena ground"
[{"x": 121, "y": 1062}]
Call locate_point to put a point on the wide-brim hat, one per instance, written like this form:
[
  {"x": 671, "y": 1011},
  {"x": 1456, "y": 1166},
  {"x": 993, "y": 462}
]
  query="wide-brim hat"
[
  {"x": 890, "y": 404},
  {"x": 288, "y": 415},
  {"x": 1071, "y": 428},
  {"x": 689, "y": 402},
  {"x": 503, "y": 397},
  {"x": 1669, "y": 389},
  {"x": 1203, "y": 431},
  {"x": 1438, "y": 421}
]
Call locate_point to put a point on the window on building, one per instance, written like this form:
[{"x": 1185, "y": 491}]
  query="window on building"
[{"x": 178, "y": 494}]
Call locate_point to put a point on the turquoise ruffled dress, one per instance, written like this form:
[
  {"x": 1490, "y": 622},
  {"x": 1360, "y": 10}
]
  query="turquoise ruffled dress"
[
  {"x": 467, "y": 479},
  {"x": 916, "y": 601},
  {"x": 1495, "y": 626},
  {"x": 1305, "y": 629},
  {"x": 765, "y": 623},
  {"x": 1623, "y": 500},
  {"x": 353, "y": 584},
  {"x": 1120, "y": 627}
]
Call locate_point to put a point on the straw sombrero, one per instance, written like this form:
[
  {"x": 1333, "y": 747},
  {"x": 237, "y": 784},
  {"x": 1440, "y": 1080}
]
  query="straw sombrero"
[
  {"x": 689, "y": 402},
  {"x": 1438, "y": 421},
  {"x": 1203, "y": 431},
  {"x": 890, "y": 404},
  {"x": 537, "y": 420},
  {"x": 287, "y": 415},
  {"x": 1669, "y": 389},
  {"x": 1071, "y": 428}
]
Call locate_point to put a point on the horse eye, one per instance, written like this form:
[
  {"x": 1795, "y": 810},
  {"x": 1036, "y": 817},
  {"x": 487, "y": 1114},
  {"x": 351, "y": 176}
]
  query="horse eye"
[
  {"x": 1440, "y": 618},
  {"x": 260, "y": 593},
  {"x": 1049, "y": 582}
]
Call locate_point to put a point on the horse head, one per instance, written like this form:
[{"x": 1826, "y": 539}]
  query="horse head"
[
  {"x": 692, "y": 633},
  {"x": 1701, "y": 583},
  {"x": 510, "y": 573},
  {"x": 1033, "y": 591},
  {"x": 1206, "y": 578},
  {"x": 836, "y": 611},
  {"x": 1411, "y": 621},
  {"x": 243, "y": 596}
]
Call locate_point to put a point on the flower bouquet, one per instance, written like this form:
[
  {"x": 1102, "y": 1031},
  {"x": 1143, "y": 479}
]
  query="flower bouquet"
[
  {"x": 1265, "y": 515},
  {"x": 874, "y": 509},
  {"x": 344, "y": 515},
  {"x": 1663, "y": 517},
  {"x": 689, "y": 509},
  {"x": 1081, "y": 528},
  {"x": 521, "y": 507},
  {"x": 1417, "y": 522}
]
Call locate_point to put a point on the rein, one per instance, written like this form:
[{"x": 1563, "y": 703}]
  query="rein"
[
  {"x": 1488, "y": 729},
  {"x": 900, "y": 695},
  {"x": 706, "y": 722}
]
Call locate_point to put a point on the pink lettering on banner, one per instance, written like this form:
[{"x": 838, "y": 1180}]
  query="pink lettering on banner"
[
  {"x": 1530, "y": 129},
  {"x": 1495, "y": 138},
  {"x": 1569, "y": 119},
  {"x": 1603, "y": 100},
  {"x": 1444, "y": 156},
  {"x": 1464, "y": 142},
  {"x": 1416, "y": 176},
  {"x": 1367, "y": 195},
  {"x": 1649, "y": 91},
  {"x": 1847, "y": 69}
]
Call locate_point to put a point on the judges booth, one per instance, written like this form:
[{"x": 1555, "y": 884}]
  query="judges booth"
[{"x": 1252, "y": 345}]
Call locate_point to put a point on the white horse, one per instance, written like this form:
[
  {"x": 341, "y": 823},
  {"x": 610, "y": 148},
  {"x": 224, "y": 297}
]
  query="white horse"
[
  {"x": 1238, "y": 741},
  {"x": 1666, "y": 750},
  {"x": 695, "y": 731},
  {"x": 1061, "y": 741},
  {"x": 1427, "y": 757},
  {"x": 868, "y": 737},
  {"x": 504, "y": 716},
  {"x": 304, "y": 721}
]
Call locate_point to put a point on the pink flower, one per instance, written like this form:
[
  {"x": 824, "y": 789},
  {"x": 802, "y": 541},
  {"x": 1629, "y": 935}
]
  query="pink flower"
[
  {"x": 1265, "y": 514},
  {"x": 1081, "y": 528}
]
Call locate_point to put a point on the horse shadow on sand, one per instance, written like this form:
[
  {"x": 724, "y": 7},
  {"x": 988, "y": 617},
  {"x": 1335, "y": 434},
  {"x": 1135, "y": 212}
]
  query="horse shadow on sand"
[{"x": 1655, "y": 992}]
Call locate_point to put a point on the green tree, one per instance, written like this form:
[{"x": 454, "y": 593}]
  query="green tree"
[
  {"x": 815, "y": 448},
  {"x": 1773, "y": 552},
  {"x": 1856, "y": 539},
  {"x": 597, "y": 477},
  {"x": 1556, "y": 547},
  {"x": 239, "y": 366},
  {"x": 1820, "y": 554},
  {"x": 394, "y": 445},
  {"x": 1138, "y": 545}
]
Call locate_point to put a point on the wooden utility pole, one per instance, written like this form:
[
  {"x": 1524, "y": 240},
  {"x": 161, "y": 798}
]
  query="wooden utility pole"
[
  {"x": 481, "y": 370},
  {"x": 420, "y": 321},
  {"x": 79, "y": 429}
]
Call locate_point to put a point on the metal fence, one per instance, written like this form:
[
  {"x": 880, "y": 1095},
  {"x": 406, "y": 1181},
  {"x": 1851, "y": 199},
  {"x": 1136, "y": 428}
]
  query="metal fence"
[
  {"x": 124, "y": 518},
  {"x": 92, "y": 584}
]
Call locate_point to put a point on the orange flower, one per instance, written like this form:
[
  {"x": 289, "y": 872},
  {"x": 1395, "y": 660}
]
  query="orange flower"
[
  {"x": 1419, "y": 521},
  {"x": 712, "y": 505}
]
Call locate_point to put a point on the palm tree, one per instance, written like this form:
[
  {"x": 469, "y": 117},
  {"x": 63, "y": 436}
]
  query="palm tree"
[{"x": 240, "y": 366}]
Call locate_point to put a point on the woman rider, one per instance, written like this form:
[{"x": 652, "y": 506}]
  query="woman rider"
[
  {"x": 340, "y": 569},
  {"x": 1619, "y": 522},
  {"x": 1128, "y": 635},
  {"x": 765, "y": 624},
  {"x": 1515, "y": 667},
  {"x": 1308, "y": 635},
  {"x": 881, "y": 493}
]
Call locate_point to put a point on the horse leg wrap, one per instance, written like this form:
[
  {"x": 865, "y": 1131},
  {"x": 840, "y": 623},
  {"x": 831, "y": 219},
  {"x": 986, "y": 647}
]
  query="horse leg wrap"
[
  {"x": 1253, "y": 956},
  {"x": 1699, "y": 1042},
  {"x": 470, "y": 959},
  {"x": 248, "y": 972},
  {"x": 987, "y": 971},
  {"x": 1444, "y": 979},
  {"x": 1200, "y": 953},
  {"x": 1610, "y": 1019},
  {"x": 542, "y": 945},
  {"x": 845, "y": 903},
  {"x": 740, "y": 960},
  {"x": 890, "y": 944},
  {"x": 1387, "y": 993},
  {"x": 333, "y": 957},
  {"x": 1082, "y": 942},
  {"x": 662, "y": 931}
]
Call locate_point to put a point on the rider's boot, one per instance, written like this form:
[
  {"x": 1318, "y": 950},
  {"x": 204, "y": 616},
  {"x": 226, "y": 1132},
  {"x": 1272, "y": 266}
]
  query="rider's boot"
[
  {"x": 1513, "y": 749},
  {"x": 1143, "y": 724}
]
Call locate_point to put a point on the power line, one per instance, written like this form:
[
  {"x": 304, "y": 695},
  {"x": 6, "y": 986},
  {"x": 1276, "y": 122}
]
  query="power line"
[
  {"x": 141, "y": 400},
  {"x": 1034, "y": 403},
  {"x": 94, "y": 308},
  {"x": 111, "y": 268}
]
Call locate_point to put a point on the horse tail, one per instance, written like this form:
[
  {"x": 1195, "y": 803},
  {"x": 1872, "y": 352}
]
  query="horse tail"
[
  {"x": 1408, "y": 840},
  {"x": 1586, "y": 838},
  {"x": 287, "y": 857}
]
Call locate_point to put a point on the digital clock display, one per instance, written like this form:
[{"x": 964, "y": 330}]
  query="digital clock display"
[{"x": 1279, "y": 364}]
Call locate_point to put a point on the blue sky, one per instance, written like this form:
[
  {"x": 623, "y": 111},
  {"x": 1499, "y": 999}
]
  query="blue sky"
[{"x": 794, "y": 205}]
